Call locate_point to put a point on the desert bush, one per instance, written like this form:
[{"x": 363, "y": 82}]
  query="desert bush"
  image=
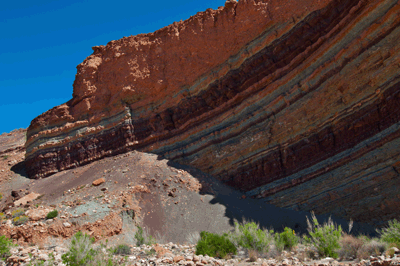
[
  {"x": 19, "y": 220},
  {"x": 325, "y": 238},
  {"x": 122, "y": 249},
  {"x": 143, "y": 237},
  {"x": 250, "y": 236},
  {"x": 371, "y": 248},
  {"x": 82, "y": 252},
  {"x": 5, "y": 245},
  {"x": 52, "y": 214},
  {"x": 17, "y": 212},
  {"x": 286, "y": 240},
  {"x": 391, "y": 234},
  {"x": 350, "y": 246},
  {"x": 215, "y": 245}
]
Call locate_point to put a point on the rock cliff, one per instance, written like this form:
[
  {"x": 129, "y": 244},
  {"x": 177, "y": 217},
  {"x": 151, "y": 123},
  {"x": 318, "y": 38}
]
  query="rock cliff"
[{"x": 294, "y": 102}]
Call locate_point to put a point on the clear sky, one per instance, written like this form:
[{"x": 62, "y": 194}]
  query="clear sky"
[{"x": 42, "y": 42}]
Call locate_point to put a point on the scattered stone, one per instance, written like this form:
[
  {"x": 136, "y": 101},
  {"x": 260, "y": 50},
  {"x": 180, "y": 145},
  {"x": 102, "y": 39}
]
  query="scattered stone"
[
  {"x": 98, "y": 182},
  {"x": 44, "y": 257},
  {"x": 66, "y": 224},
  {"x": 178, "y": 258},
  {"x": 15, "y": 194}
]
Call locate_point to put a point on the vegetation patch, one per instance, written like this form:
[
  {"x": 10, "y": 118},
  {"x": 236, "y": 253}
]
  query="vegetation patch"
[
  {"x": 143, "y": 237},
  {"x": 52, "y": 214},
  {"x": 17, "y": 212},
  {"x": 325, "y": 238},
  {"x": 20, "y": 220},
  {"x": 250, "y": 236},
  {"x": 215, "y": 245},
  {"x": 286, "y": 240},
  {"x": 122, "y": 250},
  {"x": 5, "y": 245},
  {"x": 391, "y": 234}
]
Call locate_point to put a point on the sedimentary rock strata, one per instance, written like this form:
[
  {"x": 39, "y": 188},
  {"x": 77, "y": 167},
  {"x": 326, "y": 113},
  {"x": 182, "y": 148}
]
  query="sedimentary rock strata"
[{"x": 294, "y": 102}]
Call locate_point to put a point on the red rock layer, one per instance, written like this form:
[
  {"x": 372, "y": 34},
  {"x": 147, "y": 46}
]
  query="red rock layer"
[{"x": 272, "y": 97}]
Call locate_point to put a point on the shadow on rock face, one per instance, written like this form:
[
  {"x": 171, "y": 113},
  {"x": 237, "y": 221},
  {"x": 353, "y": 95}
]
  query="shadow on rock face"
[
  {"x": 240, "y": 208},
  {"x": 19, "y": 169}
]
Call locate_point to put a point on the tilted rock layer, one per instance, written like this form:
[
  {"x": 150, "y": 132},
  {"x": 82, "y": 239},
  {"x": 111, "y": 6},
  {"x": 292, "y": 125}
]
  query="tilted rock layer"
[{"x": 294, "y": 102}]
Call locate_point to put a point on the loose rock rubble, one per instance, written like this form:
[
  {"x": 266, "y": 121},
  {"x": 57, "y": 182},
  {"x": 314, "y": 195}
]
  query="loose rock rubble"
[{"x": 174, "y": 254}]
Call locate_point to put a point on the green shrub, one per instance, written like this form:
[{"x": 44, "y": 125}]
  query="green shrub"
[
  {"x": 122, "y": 250},
  {"x": 19, "y": 220},
  {"x": 325, "y": 238},
  {"x": 82, "y": 252},
  {"x": 17, "y": 212},
  {"x": 391, "y": 234},
  {"x": 250, "y": 236},
  {"x": 1, "y": 195},
  {"x": 2, "y": 216},
  {"x": 286, "y": 240},
  {"x": 214, "y": 245},
  {"x": 52, "y": 214},
  {"x": 5, "y": 245},
  {"x": 143, "y": 237}
]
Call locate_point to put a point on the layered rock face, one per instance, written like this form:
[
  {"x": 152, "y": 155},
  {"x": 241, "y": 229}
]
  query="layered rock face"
[{"x": 294, "y": 102}]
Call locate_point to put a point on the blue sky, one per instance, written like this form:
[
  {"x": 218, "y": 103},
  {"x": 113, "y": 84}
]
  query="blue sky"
[{"x": 42, "y": 42}]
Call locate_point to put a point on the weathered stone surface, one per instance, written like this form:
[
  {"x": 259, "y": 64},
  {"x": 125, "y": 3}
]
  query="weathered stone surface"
[
  {"x": 28, "y": 198},
  {"x": 294, "y": 102},
  {"x": 37, "y": 214}
]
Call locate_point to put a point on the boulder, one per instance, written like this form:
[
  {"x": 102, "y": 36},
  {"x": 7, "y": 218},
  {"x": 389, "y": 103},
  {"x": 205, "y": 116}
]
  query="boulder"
[{"x": 37, "y": 214}]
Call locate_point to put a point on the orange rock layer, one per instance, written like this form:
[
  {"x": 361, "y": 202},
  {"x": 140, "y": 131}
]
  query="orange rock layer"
[{"x": 294, "y": 102}]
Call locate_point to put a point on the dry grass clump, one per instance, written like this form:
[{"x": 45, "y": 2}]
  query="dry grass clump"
[
  {"x": 253, "y": 255},
  {"x": 350, "y": 245},
  {"x": 371, "y": 248}
]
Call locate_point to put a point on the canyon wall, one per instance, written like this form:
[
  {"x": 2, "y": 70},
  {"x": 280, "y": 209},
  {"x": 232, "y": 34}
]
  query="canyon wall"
[{"x": 294, "y": 102}]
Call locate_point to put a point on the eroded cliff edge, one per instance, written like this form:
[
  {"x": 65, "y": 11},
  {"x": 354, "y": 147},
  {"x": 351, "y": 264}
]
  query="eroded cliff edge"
[{"x": 295, "y": 102}]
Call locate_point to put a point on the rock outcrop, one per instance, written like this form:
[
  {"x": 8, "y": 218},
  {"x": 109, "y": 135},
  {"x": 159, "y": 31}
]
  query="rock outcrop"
[{"x": 294, "y": 102}]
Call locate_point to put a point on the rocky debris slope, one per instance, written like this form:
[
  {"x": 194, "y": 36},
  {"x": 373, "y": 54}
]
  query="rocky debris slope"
[
  {"x": 176, "y": 254},
  {"x": 294, "y": 102}
]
